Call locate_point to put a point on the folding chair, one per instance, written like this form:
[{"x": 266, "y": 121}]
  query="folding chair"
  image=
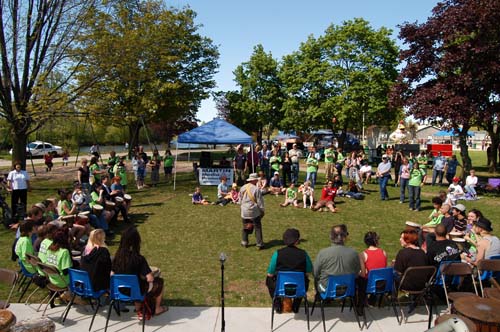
[
  {"x": 80, "y": 284},
  {"x": 35, "y": 262},
  {"x": 125, "y": 288},
  {"x": 339, "y": 287},
  {"x": 492, "y": 266},
  {"x": 52, "y": 273},
  {"x": 25, "y": 280},
  {"x": 380, "y": 284},
  {"x": 416, "y": 283},
  {"x": 456, "y": 269},
  {"x": 290, "y": 285},
  {"x": 9, "y": 278},
  {"x": 486, "y": 274}
]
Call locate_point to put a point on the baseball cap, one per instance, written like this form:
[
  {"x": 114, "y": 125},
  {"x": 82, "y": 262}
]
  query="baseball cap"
[{"x": 459, "y": 207}]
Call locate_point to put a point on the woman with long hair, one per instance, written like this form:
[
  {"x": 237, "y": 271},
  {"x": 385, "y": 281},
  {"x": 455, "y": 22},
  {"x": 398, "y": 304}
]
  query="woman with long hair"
[{"x": 128, "y": 260}]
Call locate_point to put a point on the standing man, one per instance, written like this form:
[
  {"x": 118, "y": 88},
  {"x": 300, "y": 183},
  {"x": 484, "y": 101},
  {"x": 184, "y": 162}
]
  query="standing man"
[
  {"x": 264, "y": 156},
  {"x": 253, "y": 159},
  {"x": 438, "y": 169},
  {"x": 329, "y": 162},
  {"x": 384, "y": 174},
  {"x": 340, "y": 162},
  {"x": 18, "y": 182},
  {"x": 451, "y": 168},
  {"x": 312, "y": 167},
  {"x": 336, "y": 259},
  {"x": 295, "y": 155},
  {"x": 252, "y": 211},
  {"x": 240, "y": 166}
]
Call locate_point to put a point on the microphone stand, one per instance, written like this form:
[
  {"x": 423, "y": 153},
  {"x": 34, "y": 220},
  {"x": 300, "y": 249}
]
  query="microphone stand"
[{"x": 222, "y": 259}]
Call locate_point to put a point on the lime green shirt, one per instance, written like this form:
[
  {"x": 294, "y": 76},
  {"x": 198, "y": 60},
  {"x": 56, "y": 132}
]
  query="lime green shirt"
[
  {"x": 416, "y": 176},
  {"x": 275, "y": 162},
  {"x": 291, "y": 193},
  {"x": 68, "y": 204},
  {"x": 92, "y": 169},
  {"x": 340, "y": 158},
  {"x": 312, "y": 164},
  {"x": 42, "y": 253},
  {"x": 329, "y": 155},
  {"x": 23, "y": 247},
  {"x": 169, "y": 161},
  {"x": 422, "y": 162},
  {"x": 121, "y": 171},
  {"x": 62, "y": 260},
  {"x": 434, "y": 220}
]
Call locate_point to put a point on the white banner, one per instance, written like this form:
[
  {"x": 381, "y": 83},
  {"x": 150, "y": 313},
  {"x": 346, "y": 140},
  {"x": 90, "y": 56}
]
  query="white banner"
[{"x": 211, "y": 176}]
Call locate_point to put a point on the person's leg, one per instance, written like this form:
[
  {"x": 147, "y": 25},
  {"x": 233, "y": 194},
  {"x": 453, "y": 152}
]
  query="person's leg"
[
  {"x": 23, "y": 197},
  {"x": 382, "y": 186},
  {"x": 411, "y": 197},
  {"x": 441, "y": 174},
  {"x": 244, "y": 233},
  {"x": 258, "y": 233},
  {"x": 417, "y": 198},
  {"x": 434, "y": 176},
  {"x": 313, "y": 179},
  {"x": 404, "y": 185}
]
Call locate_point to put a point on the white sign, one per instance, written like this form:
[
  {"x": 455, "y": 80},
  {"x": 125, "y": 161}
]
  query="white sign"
[{"x": 211, "y": 176}]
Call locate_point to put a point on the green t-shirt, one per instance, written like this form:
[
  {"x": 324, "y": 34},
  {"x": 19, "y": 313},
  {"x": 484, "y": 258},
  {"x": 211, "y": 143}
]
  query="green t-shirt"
[
  {"x": 312, "y": 164},
  {"x": 68, "y": 204},
  {"x": 340, "y": 158},
  {"x": 275, "y": 162},
  {"x": 291, "y": 193},
  {"x": 121, "y": 171},
  {"x": 416, "y": 176},
  {"x": 23, "y": 247},
  {"x": 329, "y": 155},
  {"x": 92, "y": 169},
  {"x": 169, "y": 161},
  {"x": 422, "y": 162},
  {"x": 434, "y": 220},
  {"x": 62, "y": 260},
  {"x": 42, "y": 253}
]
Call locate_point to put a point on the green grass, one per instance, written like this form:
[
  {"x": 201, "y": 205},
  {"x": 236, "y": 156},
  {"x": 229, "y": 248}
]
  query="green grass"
[{"x": 185, "y": 240}]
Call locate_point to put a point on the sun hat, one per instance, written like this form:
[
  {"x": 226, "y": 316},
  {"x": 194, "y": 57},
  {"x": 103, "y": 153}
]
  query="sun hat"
[
  {"x": 484, "y": 224},
  {"x": 276, "y": 173},
  {"x": 252, "y": 177},
  {"x": 291, "y": 236}
]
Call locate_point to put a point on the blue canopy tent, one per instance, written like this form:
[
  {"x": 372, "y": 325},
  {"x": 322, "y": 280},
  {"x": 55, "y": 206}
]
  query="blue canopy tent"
[
  {"x": 444, "y": 133},
  {"x": 217, "y": 131}
]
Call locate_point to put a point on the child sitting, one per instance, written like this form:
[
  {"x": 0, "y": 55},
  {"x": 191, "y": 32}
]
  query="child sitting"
[
  {"x": 307, "y": 194},
  {"x": 291, "y": 196},
  {"x": 198, "y": 197},
  {"x": 455, "y": 192},
  {"x": 235, "y": 194}
]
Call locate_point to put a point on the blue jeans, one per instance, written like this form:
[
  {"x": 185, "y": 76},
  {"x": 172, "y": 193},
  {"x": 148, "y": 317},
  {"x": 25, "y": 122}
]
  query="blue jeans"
[
  {"x": 383, "y": 187},
  {"x": 295, "y": 173},
  {"x": 403, "y": 183},
  {"x": 435, "y": 174},
  {"x": 311, "y": 176},
  {"x": 414, "y": 197}
]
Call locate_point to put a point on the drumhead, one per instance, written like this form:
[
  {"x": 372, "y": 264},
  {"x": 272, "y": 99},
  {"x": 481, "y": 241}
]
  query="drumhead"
[
  {"x": 119, "y": 199},
  {"x": 97, "y": 207},
  {"x": 109, "y": 203},
  {"x": 127, "y": 197},
  {"x": 456, "y": 234},
  {"x": 84, "y": 213},
  {"x": 413, "y": 224},
  {"x": 458, "y": 239}
]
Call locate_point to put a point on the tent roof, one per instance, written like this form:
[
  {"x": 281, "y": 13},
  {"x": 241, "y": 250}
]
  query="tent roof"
[
  {"x": 443, "y": 133},
  {"x": 216, "y": 131}
]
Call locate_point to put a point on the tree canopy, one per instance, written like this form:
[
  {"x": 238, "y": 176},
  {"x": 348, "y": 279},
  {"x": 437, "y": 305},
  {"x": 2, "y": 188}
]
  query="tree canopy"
[{"x": 451, "y": 70}]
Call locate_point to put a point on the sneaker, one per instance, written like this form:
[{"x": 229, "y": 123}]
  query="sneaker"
[
  {"x": 401, "y": 202},
  {"x": 244, "y": 244}
]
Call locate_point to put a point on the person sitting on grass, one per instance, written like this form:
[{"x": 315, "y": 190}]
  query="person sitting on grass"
[
  {"x": 291, "y": 196},
  {"x": 275, "y": 185},
  {"x": 353, "y": 191},
  {"x": 470, "y": 185},
  {"x": 327, "y": 198},
  {"x": 455, "y": 191},
  {"x": 307, "y": 194},
  {"x": 235, "y": 193},
  {"x": 197, "y": 198},
  {"x": 223, "y": 195},
  {"x": 262, "y": 183}
]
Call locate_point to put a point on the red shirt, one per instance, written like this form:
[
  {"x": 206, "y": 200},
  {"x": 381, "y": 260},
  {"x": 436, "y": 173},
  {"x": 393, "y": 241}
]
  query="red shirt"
[
  {"x": 328, "y": 193},
  {"x": 375, "y": 259}
]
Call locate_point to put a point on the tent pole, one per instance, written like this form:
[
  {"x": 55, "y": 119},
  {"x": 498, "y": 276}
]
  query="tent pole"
[
  {"x": 251, "y": 151},
  {"x": 189, "y": 152},
  {"x": 175, "y": 163}
]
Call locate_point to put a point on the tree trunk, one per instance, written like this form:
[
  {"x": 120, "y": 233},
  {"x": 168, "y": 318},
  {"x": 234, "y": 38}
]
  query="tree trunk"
[
  {"x": 19, "y": 141},
  {"x": 495, "y": 141},
  {"x": 464, "y": 151},
  {"x": 133, "y": 131}
]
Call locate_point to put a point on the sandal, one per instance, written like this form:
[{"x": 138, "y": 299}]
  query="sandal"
[{"x": 163, "y": 309}]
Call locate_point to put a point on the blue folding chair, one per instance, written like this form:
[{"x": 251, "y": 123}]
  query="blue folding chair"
[
  {"x": 339, "y": 287},
  {"x": 125, "y": 288},
  {"x": 290, "y": 285},
  {"x": 492, "y": 268},
  {"x": 486, "y": 274},
  {"x": 26, "y": 277},
  {"x": 380, "y": 283},
  {"x": 80, "y": 284}
]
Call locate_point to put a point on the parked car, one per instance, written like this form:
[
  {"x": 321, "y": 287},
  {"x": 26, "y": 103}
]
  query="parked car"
[{"x": 39, "y": 149}]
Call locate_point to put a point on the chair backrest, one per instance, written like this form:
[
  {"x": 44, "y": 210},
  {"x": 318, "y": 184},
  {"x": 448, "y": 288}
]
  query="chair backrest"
[
  {"x": 487, "y": 273},
  {"x": 487, "y": 268},
  {"x": 290, "y": 284},
  {"x": 80, "y": 284},
  {"x": 35, "y": 262},
  {"x": 8, "y": 277},
  {"x": 457, "y": 269},
  {"x": 438, "y": 281},
  {"x": 125, "y": 288},
  {"x": 25, "y": 272},
  {"x": 53, "y": 273},
  {"x": 417, "y": 278},
  {"x": 380, "y": 281},
  {"x": 340, "y": 286}
]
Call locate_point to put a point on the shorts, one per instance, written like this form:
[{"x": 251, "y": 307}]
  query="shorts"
[{"x": 168, "y": 169}]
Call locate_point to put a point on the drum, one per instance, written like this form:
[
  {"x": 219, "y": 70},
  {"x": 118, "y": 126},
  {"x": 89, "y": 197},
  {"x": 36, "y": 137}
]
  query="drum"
[
  {"x": 110, "y": 206},
  {"x": 410, "y": 225},
  {"x": 69, "y": 220},
  {"x": 454, "y": 235},
  {"x": 443, "y": 318},
  {"x": 97, "y": 209},
  {"x": 460, "y": 241},
  {"x": 81, "y": 219},
  {"x": 119, "y": 200},
  {"x": 84, "y": 213},
  {"x": 127, "y": 198},
  {"x": 482, "y": 311}
]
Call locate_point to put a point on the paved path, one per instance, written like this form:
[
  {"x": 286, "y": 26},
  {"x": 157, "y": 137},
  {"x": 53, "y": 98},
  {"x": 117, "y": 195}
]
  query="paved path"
[{"x": 200, "y": 319}]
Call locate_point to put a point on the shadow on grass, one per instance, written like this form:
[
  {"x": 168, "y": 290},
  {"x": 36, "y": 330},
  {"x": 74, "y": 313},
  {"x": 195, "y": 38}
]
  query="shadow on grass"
[{"x": 149, "y": 204}]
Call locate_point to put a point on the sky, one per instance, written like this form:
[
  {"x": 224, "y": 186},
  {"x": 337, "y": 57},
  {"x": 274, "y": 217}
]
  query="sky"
[{"x": 236, "y": 26}]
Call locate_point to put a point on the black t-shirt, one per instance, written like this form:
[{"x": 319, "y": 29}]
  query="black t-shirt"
[
  {"x": 444, "y": 250},
  {"x": 408, "y": 257},
  {"x": 138, "y": 266}
]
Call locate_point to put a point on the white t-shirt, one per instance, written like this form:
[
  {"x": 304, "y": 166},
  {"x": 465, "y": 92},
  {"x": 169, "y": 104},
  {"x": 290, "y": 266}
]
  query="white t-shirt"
[
  {"x": 471, "y": 181},
  {"x": 18, "y": 179}
]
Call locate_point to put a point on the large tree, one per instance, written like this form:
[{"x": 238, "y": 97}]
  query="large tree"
[
  {"x": 35, "y": 36},
  {"x": 336, "y": 80},
  {"x": 257, "y": 103},
  {"x": 452, "y": 69},
  {"x": 149, "y": 63}
]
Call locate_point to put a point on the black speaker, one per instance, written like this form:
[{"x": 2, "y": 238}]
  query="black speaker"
[
  {"x": 407, "y": 148},
  {"x": 205, "y": 159}
]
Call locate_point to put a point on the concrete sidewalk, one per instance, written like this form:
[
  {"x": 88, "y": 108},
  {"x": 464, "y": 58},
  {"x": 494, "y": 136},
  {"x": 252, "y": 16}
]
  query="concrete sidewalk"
[{"x": 201, "y": 319}]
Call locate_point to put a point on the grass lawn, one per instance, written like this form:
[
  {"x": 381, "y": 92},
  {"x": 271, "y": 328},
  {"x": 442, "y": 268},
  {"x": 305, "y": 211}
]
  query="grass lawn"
[{"x": 185, "y": 241}]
